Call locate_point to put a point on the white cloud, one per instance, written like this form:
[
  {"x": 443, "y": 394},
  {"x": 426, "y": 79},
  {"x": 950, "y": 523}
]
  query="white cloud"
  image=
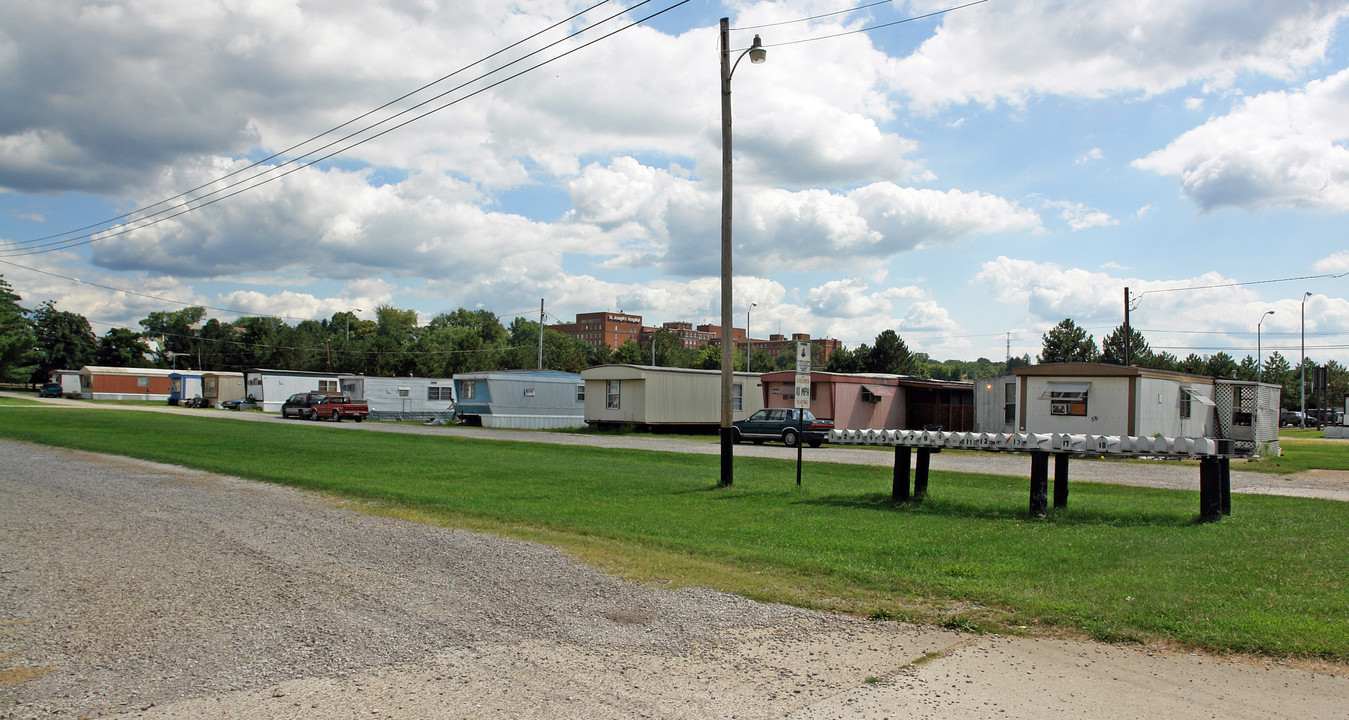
[
  {"x": 1334, "y": 263},
  {"x": 1278, "y": 149},
  {"x": 1081, "y": 217},
  {"x": 1013, "y": 51},
  {"x": 1089, "y": 156}
]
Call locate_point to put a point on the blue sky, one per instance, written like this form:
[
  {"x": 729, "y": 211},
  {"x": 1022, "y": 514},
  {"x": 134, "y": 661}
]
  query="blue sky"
[{"x": 967, "y": 180}]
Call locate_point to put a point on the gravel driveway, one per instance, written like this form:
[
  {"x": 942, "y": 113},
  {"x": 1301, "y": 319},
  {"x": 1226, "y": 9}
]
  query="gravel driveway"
[{"x": 128, "y": 588}]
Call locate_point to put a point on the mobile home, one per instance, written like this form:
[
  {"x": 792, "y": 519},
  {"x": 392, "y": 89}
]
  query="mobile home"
[
  {"x": 655, "y": 396},
  {"x": 218, "y": 387},
  {"x": 877, "y": 400},
  {"x": 524, "y": 399},
  {"x": 113, "y": 383},
  {"x": 1102, "y": 399},
  {"x": 184, "y": 387},
  {"x": 69, "y": 380},
  {"x": 401, "y": 398},
  {"x": 270, "y": 388}
]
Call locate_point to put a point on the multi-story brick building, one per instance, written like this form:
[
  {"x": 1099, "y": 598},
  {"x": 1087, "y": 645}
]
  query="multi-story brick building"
[
  {"x": 604, "y": 328},
  {"x": 613, "y": 329}
]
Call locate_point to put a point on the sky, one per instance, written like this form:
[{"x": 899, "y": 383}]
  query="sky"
[{"x": 967, "y": 178}]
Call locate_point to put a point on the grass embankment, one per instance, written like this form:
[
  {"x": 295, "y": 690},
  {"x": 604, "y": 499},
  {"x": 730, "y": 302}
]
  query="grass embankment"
[
  {"x": 7, "y": 400},
  {"x": 1121, "y": 563}
]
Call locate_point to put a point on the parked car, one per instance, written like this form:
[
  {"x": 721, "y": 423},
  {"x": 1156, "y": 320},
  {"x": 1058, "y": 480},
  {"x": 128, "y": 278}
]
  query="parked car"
[
  {"x": 1290, "y": 418},
  {"x": 240, "y": 404},
  {"x": 50, "y": 389},
  {"x": 781, "y": 424},
  {"x": 336, "y": 407},
  {"x": 301, "y": 405}
]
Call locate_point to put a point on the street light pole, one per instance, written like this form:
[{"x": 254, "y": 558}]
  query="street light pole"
[
  {"x": 1259, "y": 356},
  {"x": 749, "y": 344},
  {"x": 1302, "y": 387},
  {"x": 756, "y": 55}
]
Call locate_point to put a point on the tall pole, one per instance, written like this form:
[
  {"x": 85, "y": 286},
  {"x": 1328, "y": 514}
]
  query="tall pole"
[
  {"x": 540, "y": 333},
  {"x": 756, "y": 55},
  {"x": 727, "y": 457},
  {"x": 1128, "y": 334},
  {"x": 1302, "y": 387},
  {"x": 1259, "y": 356},
  {"x": 749, "y": 343}
]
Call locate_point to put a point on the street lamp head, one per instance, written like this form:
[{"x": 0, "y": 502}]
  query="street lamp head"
[{"x": 757, "y": 53}]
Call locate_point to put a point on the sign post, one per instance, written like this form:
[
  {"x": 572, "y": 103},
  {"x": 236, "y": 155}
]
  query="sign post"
[{"x": 802, "y": 399}]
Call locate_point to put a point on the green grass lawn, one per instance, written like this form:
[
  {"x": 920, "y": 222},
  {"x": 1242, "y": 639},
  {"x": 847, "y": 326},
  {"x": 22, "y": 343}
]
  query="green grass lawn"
[
  {"x": 1304, "y": 450},
  {"x": 1121, "y": 563},
  {"x": 7, "y": 400}
]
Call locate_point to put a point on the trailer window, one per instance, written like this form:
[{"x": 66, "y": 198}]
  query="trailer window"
[
  {"x": 327, "y": 386},
  {"x": 611, "y": 392}
]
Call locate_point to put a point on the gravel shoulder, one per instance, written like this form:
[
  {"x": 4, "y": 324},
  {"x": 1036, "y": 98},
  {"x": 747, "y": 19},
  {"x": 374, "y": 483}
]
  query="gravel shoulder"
[{"x": 129, "y": 589}]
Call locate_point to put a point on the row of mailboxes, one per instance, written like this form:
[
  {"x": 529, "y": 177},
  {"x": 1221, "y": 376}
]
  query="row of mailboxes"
[{"x": 1046, "y": 442}]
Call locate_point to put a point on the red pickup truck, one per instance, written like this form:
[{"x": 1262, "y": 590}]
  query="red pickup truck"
[
  {"x": 337, "y": 407},
  {"x": 314, "y": 406}
]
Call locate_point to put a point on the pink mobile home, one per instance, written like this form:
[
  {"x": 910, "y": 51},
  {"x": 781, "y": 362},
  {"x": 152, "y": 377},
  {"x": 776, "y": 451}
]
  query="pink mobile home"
[{"x": 873, "y": 400}]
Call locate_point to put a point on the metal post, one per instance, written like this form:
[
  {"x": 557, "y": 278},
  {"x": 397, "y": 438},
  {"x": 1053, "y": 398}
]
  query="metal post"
[
  {"x": 540, "y": 333},
  {"x": 1127, "y": 333},
  {"x": 920, "y": 477},
  {"x": 727, "y": 462},
  {"x": 1210, "y": 493},
  {"x": 1302, "y": 363},
  {"x": 1060, "y": 480},
  {"x": 1039, "y": 484},
  {"x": 1225, "y": 484},
  {"x": 899, "y": 488}
]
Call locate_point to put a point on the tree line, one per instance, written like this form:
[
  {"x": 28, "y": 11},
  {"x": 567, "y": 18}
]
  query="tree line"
[{"x": 35, "y": 342}]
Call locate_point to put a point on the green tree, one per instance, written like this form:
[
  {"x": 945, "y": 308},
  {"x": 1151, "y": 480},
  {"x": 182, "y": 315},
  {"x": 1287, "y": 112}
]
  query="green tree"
[
  {"x": 1275, "y": 369},
  {"x": 1066, "y": 342},
  {"x": 1246, "y": 370},
  {"x": 630, "y": 354},
  {"x": 174, "y": 334},
  {"x": 121, "y": 347},
  {"x": 843, "y": 360},
  {"x": 18, "y": 355},
  {"x": 891, "y": 355},
  {"x": 1221, "y": 365},
  {"x": 1016, "y": 362},
  {"x": 1112, "y": 348},
  {"x": 64, "y": 340}
]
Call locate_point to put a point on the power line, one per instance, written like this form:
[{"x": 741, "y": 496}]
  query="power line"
[
  {"x": 816, "y": 17},
  {"x": 329, "y": 131},
  {"x": 1239, "y": 284},
  {"x": 87, "y": 239},
  {"x": 868, "y": 29}
]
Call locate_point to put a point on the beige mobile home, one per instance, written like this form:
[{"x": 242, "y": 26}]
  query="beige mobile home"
[
  {"x": 1101, "y": 399},
  {"x": 217, "y": 387},
  {"x": 645, "y": 395}
]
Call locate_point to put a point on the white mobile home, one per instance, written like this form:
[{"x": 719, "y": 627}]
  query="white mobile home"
[
  {"x": 995, "y": 405},
  {"x": 401, "y": 398},
  {"x": 270, "y": 388},
  {"x": 523, "y": 399},
  {"x": 69, "y": 380},
  {"x": 1101, "y": 399},
  {"x": 646, "y": 395}
]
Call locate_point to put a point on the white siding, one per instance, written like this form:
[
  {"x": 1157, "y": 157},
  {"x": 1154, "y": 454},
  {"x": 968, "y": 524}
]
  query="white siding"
[
  {"x": 665, "y": 396},
  {"x": 1107, "y": 406}
]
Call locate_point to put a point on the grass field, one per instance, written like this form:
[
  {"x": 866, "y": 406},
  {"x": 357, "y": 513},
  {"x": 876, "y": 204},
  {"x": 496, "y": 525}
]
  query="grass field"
[
  {"x": 1121, "y": 563},
  {"x": 5, "y": 400}
]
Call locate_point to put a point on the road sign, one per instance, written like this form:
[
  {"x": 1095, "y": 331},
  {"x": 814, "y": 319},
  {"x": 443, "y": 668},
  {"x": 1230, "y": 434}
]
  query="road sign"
[
  {"x": 802, "y": 356},
  {"x": 803, "y": 391}
]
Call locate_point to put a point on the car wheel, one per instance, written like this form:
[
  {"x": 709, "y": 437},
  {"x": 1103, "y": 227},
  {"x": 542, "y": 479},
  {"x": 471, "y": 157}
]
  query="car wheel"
[
  {"x": 312, "y": 414},
  {"x": 816, "y": 443},
  {"x": 337, "y": 416},
  {"x": 359, "y": 418},
  {"x": 758, "y": 442},
  {"x": 790, "y": 438},
  {"x": 735, "y": 435}
]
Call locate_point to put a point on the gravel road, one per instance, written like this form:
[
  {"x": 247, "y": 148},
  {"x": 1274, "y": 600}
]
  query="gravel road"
[{"x": 129, "y": 589}]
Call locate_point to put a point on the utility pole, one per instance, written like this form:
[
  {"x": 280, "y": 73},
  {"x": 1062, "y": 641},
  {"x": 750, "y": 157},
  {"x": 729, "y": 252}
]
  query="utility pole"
[
  {"x": 1128, "y": 333},
  {"x": 540, "y": 333}
]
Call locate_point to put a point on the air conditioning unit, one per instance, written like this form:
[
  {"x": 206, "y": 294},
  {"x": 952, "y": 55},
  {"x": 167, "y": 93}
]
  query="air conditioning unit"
[{"x": 1059, "y": 408}]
